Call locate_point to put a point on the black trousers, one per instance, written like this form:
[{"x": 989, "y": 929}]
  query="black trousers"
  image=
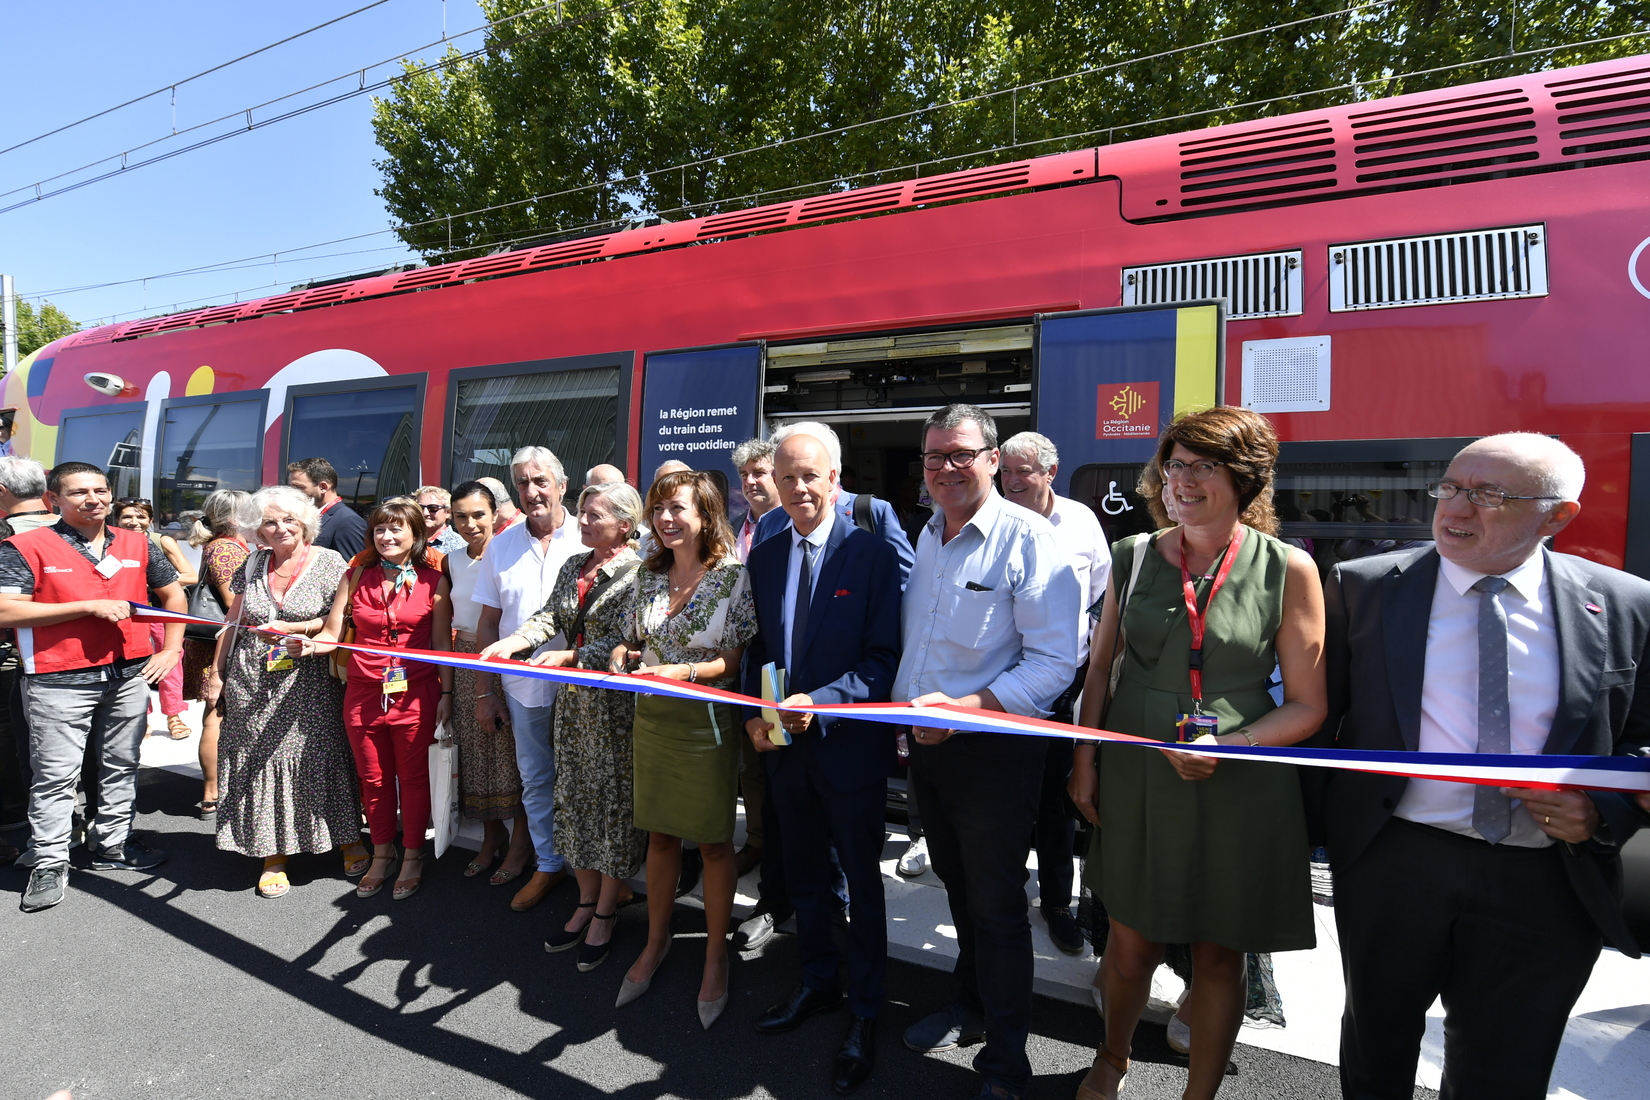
[
  {"x": 979, "y": 794},
  {"x": 1494, "y": 930},
  {"x": 817, "y": 818}
]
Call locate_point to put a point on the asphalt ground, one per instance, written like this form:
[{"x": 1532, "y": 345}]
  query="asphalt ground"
[{"x": 183, "y": 983}]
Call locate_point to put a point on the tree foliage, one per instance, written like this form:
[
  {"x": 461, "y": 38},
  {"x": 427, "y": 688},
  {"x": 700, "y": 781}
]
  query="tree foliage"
[
  {"x": 38, "y": 327},
  {"x": 680, "y": 108}
]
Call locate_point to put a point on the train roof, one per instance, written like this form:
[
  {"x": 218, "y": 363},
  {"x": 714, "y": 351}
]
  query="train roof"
[{"x": 1541, "y": 122}]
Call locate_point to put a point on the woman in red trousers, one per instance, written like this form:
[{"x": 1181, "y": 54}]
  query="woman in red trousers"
[{"x": 397, "y": 599}]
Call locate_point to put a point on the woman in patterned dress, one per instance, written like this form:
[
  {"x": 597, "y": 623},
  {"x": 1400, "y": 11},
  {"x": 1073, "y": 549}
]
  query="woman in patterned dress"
[
  {"x": 286, "y": 781},
  {"x": 595, "y": 827},
  {"x": 692, "y": 618},
  {"x": 489, "y": 781},
  {"x": 223, "y": 552}
]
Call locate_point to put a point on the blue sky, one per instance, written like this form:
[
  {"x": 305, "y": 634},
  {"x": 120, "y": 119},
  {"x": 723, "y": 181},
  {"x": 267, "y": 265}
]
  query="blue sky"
[{"x": 300, "y": 181}]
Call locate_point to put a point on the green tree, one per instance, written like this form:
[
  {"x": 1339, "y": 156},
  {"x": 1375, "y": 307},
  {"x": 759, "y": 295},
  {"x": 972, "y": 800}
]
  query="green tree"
[
  {"x": 680, "y": 108},
  {"x": 38, "y": 327}
]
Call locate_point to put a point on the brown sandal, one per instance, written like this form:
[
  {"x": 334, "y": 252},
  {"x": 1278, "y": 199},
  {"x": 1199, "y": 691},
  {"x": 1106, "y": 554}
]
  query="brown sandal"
[
  {"x": 1090, "y": 1088},
  {"x": 368, "y": 887},
  {"x": 177, "y": 728},
  {"x": 405, "y": 890}
]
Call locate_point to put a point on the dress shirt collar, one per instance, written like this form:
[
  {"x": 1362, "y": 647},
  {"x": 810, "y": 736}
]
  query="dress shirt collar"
[
  {"x": 820, "y": 533},
  {"x": 1525, "y": 579},
  {"x": 982, "y": 521}
]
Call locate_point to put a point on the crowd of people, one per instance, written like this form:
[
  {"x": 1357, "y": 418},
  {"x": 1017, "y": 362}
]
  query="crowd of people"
[{"x": 1209, "y": 629}]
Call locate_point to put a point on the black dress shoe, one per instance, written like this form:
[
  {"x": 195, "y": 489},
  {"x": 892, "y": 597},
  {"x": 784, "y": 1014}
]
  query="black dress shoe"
[
  {"x": 857, "y": 1057},
  {"x": 692, "y": 864},
  {"x": 803, "y": 1003}
]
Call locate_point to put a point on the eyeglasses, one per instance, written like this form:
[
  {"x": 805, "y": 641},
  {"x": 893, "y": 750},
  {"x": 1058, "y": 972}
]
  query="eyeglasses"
[
  {"x": 432, "y": 507},
  {"x": 1202, "y": 470},
  {"x": 1483, "y": 497},
  {"x": 959, "y": 460}
]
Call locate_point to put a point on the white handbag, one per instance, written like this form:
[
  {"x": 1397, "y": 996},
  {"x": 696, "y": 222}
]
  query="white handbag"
[{"x": 444, "y": 810}]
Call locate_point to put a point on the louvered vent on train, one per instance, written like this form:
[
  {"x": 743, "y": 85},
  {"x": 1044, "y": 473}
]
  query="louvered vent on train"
[
  {"x": 1446, "y": 137},
  {"x": 1257, "y": 166},
  {"x": 1478, "y": 265},
  {"x": 1604, "y": 117},
  {"x": 1264, "y": 285}
]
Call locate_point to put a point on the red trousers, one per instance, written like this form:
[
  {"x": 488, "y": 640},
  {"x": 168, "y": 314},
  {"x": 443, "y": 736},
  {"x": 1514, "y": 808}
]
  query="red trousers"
[
  {"x": 171, "y": 688},
  {"x": 390, "y": 746}
]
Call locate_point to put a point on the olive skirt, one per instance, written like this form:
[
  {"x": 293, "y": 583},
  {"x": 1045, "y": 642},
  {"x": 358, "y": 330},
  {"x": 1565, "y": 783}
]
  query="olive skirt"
[{"x": 686, "y": 768}]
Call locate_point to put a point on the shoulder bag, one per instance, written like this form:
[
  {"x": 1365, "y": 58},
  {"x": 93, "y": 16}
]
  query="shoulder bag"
[
  {"x": 338, "y": 660},
  {"x": 1142, "y": 544}
]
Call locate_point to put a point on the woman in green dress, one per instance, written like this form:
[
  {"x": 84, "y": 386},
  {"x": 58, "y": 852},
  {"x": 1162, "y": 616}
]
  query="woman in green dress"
[
  {"x": 595, "y": 826},
  {"x": 691, "y": 618},
  {"x": 1189, "y": 850}
]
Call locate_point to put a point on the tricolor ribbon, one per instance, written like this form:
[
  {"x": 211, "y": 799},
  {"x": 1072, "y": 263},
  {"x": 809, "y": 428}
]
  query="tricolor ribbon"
[{"x": 1627, "y": 774}]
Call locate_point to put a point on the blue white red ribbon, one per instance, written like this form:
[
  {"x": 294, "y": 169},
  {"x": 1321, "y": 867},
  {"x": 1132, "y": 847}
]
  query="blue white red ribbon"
[{"x": 1627, "y": 774}]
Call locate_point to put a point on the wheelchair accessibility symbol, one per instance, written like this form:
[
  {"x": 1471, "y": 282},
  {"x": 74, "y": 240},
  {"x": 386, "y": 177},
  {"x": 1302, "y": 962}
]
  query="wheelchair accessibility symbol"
[{"x": 1113, "y": 503}]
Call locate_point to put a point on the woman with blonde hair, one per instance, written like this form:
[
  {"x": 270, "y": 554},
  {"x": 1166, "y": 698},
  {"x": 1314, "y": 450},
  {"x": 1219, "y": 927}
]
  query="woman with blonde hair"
[
  {"x": 691, "y": 620},
  {"x": 1188, "y": 850},
  {"x": 589, "y": 606},
  {"x": 286, "y": 783}
]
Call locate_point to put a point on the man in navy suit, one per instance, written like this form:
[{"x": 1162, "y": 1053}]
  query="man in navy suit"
[{"x": 828, "y": 605}]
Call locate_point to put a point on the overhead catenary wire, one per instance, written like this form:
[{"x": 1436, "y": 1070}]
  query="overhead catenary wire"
[
  {"x": 362, "y": 88},
  {"x": 176, "y": 84},
  {"x": 1355, "y": 85}
]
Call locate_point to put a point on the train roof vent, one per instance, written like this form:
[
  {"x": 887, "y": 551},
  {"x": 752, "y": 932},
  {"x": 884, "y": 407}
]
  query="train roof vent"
[
  {"x": 845, "y": 203},
  {"x": 744, "y": 221},
  {"x": 1257, "y": 165},
  {"x": 978, "y": 181},
  {"x": 1444, "y": 137},
  {"x": 568, "y": 251},
  {"x": 277, "y": 304},
  {"x": 1263, "y": 285},
  {"x": 221, "y": 313},
  {"x": 1600, "y": 115},
  {"x": 1473, "y": 266}
]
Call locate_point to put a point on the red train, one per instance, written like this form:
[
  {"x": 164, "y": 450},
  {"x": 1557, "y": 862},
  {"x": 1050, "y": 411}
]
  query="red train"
[{"x": 1384, "y": 279}]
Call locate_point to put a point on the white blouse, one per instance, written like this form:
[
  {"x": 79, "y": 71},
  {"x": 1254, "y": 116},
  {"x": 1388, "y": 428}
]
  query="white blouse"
[{"x": 464, "y": 570}]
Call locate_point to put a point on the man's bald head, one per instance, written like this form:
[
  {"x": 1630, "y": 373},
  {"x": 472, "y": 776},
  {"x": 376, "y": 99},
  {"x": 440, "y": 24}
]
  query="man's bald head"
[
  {"x": 1540, "y": 480},
  {"x": 805, "y": 474},
  {"x": 603, "y": 474},
  {"x": 1552, "y": 468},
  {"x": 671, "y": 466}
]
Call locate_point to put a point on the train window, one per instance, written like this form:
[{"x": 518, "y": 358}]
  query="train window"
[
  {"x": 574, "y": 412},
  {"x": 367, "y": 428},
  {"x": 110, "y": 436},
  {"x": 208, "y": 443}
]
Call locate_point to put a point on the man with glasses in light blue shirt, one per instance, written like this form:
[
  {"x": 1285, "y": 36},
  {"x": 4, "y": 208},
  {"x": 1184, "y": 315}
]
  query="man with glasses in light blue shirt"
[{"x": 987, "y": 623}]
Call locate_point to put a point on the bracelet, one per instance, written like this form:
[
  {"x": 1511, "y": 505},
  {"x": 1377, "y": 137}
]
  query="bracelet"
[
  {"x": 483, "y": 695},
  {"x": 1249, "y": 737},
  {"x": 693, "y": 674}
]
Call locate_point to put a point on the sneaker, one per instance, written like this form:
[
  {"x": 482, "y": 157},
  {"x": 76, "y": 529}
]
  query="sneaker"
[
  {"x": 947, "y": 1029},
  {"x": 915, "y": 860},
  {"x": 1063, "y": 930},
  {"x": 133, "y": 856},
  {"x": 46, "y": 887}
]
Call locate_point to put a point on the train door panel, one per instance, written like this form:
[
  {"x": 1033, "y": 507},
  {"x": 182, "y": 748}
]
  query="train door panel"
[{"x": 1108, "y": 381}]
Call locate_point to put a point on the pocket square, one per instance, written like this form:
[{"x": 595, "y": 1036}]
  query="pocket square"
[{"x": 843, "y": 592}]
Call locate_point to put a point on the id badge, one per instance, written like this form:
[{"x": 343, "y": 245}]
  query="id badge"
[
  {"x": 109, "y": 566},
  {"x": 1189, "y": 727},
  {"x": 277, "y": 659},
  {"x": 395, "y": 680}
]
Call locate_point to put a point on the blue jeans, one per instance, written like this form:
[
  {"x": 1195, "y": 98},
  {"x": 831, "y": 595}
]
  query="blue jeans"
[{"x": 536, "y": 758}]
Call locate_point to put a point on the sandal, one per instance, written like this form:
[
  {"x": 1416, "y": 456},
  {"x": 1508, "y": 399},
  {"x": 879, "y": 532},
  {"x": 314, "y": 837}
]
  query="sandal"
[
  {"x": 593, "y": 955},
  {"x": 368, "y": 887},
  {"x": 476, "y": 867},
  {"x": 406, "y": 889},
  {"x": 562, "y": 939},
  {"x": 273, "y": 883},
  {"x": 177, "y": 727},
  {"x": 501, "y": 876},
  {"x": 208, "y": 808},
  {"x": 1090, "y": 1088},
  {"x": 356, "y": 859}
]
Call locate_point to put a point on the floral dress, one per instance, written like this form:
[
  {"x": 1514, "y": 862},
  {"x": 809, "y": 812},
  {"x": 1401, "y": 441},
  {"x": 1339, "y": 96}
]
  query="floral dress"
[
  {"x": 688, "y": 753},
  {"x": 595, "y": 826},
  {"x": 286, "y": 777}
]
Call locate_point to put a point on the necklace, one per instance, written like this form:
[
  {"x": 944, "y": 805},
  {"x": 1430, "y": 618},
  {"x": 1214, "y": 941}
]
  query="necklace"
[{"x": 697, "y": 577}]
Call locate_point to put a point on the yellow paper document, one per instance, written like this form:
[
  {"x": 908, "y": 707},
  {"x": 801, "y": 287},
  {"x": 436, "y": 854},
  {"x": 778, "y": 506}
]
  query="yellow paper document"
[{"x": 773, "y": 691}]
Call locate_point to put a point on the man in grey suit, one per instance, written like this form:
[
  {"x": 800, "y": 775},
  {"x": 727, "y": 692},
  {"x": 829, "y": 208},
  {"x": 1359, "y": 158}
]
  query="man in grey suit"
[{"x": 1495, "y": 899}]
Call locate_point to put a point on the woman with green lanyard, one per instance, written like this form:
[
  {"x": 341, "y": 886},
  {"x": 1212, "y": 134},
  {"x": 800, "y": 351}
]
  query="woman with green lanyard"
[
  {"x": 396, "y": 600},
  {"x": 1189, "y": 850}
]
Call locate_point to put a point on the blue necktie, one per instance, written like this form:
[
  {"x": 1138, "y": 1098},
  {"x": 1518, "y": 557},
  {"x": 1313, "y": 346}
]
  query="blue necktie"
[
  {"x": 1492, "y": 810},
  {"x": 799, "y": 612}
]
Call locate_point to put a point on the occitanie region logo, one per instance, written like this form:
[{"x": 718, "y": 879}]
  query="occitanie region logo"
[{"x": 1126, "y": 410}]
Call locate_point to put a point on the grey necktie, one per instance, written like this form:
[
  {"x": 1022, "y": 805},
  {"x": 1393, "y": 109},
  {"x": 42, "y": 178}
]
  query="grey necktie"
[
  {"x": 1492, "y": 810},
  {"x": 804, "y": 594}
]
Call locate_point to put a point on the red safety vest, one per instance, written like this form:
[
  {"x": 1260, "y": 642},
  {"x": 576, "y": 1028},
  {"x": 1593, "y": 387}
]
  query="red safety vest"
[{"x": 63, "y": 575}]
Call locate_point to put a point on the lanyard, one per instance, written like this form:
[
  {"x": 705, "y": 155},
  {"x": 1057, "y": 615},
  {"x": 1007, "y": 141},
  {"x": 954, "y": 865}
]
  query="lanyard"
[
  {"x": 1198, "y": 620},
  {"x": 297, "y": 571}
]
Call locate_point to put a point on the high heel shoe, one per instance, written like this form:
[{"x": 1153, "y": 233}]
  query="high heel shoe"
[
  {"x": 368, "y": 888},
  {"x": 629, "y": 990},
  {"x": 1090, "y": 1088},
  {"x": 405, "y": 890},
  {"x": 562, "y": 939},
  {"x": 593, "y": 955},
  {"x": 710, "y": 1011}
]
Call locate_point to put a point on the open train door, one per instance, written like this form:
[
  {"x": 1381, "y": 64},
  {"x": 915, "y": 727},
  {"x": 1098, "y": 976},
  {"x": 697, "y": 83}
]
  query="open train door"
[
  {"x": 698, "y": 404},
  {"x": 1106, "y": 383}
]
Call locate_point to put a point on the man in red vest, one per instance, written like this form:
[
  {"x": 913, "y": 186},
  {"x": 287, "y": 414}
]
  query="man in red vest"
[{"x": 68, "y": 590}]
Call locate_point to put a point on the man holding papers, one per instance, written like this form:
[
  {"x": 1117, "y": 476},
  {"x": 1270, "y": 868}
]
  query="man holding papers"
[{"x": 828, "y": 602}]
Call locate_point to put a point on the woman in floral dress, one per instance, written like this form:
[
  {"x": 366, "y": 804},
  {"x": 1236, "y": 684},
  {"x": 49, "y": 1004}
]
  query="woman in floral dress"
[
  {"x": 595, "y": 826},
  {"x": 286, "y": 779},
  {"x": 692, "y": 618}
]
